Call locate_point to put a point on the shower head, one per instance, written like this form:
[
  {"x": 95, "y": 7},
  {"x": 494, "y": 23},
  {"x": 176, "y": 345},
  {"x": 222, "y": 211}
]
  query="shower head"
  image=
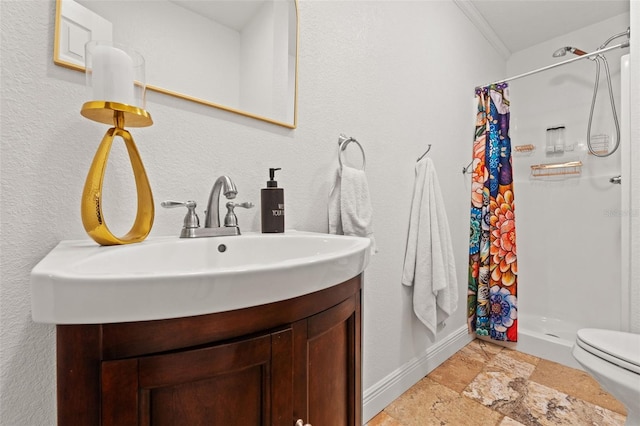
[
  {"x": 563, "y": 51},
  {"x": 560, "y": 52}
]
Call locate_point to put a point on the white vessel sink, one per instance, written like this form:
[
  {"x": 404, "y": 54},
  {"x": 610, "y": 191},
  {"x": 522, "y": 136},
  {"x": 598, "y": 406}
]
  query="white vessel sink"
[{"x": 79, "y": 282}]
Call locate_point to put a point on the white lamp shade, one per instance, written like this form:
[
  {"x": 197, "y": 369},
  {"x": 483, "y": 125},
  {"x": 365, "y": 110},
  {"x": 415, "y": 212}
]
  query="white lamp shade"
[{"x": 115, "y": 73}]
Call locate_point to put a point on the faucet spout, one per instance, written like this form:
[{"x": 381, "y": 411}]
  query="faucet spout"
[{"x": 223, "y": 185}]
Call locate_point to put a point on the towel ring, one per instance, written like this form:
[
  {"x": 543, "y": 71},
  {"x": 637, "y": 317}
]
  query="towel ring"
[{"x": 343, "y": 141}]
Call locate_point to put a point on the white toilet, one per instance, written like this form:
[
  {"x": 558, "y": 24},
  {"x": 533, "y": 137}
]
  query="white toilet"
[{"x": 613, "y": 359}]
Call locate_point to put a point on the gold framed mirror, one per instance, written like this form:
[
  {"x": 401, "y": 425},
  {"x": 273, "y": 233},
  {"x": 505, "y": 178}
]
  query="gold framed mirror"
[{"x": 238, "y": 56}]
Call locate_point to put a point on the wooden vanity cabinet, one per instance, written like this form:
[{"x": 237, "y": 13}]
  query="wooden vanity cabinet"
[{"x": 265, "y": 365}]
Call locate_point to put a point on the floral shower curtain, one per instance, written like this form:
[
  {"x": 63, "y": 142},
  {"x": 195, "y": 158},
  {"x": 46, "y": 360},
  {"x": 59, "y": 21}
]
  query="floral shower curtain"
[{"x": 492, "y": 296}]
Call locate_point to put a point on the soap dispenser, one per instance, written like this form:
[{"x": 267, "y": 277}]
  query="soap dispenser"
[{"x": 272, "y": 205}]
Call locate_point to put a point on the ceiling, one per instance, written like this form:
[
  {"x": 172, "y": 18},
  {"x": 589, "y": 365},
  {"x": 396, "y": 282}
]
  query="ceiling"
[
  {"x": 520, "y": 24},
  {"x": 236, "y": 14},
  {"x": 512, "y": 24},
  {"x": 232, "y": 13}
]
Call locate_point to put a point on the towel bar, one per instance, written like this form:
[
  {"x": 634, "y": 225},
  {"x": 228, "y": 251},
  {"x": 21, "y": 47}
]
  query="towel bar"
[
  {"x": 425, "y": 153},
  {"x": 465, "y": 170}
]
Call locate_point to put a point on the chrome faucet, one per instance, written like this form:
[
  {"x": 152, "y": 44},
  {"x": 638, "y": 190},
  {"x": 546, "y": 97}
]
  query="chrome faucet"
[
  {"x": 212, "y": 214},
  {"x": 191, "y": 227}
]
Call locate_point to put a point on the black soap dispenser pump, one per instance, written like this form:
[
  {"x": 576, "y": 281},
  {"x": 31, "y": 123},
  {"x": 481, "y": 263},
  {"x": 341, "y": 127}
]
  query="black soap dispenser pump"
[{"x": 272, "y": 205}]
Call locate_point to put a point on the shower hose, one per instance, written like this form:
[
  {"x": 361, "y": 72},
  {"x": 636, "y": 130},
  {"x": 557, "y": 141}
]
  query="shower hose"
[
  {"x": 595, "y": 95},
  {"x": 613, "y": 108}
]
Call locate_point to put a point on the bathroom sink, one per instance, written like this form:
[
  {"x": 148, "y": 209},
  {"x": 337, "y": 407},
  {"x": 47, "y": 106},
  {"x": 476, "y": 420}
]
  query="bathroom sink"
[{"x": 79, "y": 282}]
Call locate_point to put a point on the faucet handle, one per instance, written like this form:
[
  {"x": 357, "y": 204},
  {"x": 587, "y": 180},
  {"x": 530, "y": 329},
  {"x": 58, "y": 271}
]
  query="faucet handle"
[
  {"x": 230, "y": 218},
  {"x": 169, "y": 204},
  {"x": 246, "y": 204},
  {"x": 191, "y": 219}
]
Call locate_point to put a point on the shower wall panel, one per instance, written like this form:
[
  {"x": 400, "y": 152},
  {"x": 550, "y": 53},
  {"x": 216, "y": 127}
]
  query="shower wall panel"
[{"x": 568, "y": 226}]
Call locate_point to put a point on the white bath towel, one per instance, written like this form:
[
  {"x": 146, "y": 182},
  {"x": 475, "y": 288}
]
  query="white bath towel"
[
  {"x": 350, "y": 211},
  {"x": 429, "y": 262}
]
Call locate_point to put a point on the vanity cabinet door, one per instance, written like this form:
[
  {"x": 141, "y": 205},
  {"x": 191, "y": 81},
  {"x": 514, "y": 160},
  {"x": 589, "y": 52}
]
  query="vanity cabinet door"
[
  {"x": 248, "y": 382},
  {"x": 265, "y": 365},
  {"x": 328, "y": 388}
]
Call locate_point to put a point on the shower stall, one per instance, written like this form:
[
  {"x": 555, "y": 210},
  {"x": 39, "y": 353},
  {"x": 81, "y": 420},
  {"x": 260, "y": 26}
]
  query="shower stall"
[{"x": 571, "y": 238}]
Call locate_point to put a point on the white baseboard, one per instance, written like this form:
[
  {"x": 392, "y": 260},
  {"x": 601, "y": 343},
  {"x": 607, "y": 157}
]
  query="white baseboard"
[{"x": 381, "y": 394}]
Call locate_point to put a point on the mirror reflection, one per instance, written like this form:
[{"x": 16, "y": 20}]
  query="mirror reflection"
[{"x": 240, "y": 56}]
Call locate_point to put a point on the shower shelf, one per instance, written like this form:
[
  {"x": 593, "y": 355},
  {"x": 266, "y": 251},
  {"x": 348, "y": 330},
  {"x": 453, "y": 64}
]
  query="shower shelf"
[
  {"x": 555, "y": 169},
  {"x": 525, "y": 148},
  {"x": 599, "y": 144}
]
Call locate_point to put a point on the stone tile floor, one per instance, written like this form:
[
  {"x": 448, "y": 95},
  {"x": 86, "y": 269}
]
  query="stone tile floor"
[{"x": 485, "y": 384}]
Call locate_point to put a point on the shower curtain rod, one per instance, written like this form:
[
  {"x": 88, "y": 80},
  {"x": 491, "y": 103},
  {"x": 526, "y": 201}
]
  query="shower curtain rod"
[{"x": 568, "y": 61}]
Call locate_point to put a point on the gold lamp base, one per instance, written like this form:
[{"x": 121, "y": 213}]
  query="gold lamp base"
[{"x": 91, "y": 205}]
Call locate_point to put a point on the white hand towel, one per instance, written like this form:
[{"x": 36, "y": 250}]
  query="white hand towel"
[
  {"x": 429, "y": 262},
  {"x": 350, "y": 211},
  {"x": 335, "y": 224}
]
